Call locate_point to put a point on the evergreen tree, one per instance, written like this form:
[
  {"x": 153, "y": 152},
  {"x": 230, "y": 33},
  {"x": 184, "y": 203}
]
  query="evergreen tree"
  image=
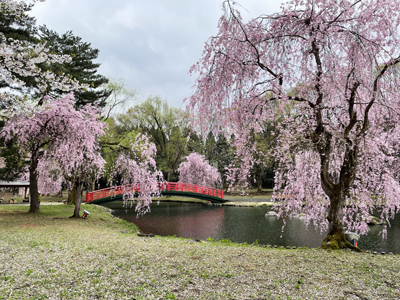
[
  {"x": 218, "y": 152},
  {"x": 18, "y": 28},
  {"x": 81, "y": 67},
  {"x": 209, "y": 148},
  {"x": 195, "y": 142}
]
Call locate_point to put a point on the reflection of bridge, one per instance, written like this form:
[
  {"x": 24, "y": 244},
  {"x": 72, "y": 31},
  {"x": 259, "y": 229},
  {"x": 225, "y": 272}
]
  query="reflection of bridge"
[{"x": 166, "y": 188}]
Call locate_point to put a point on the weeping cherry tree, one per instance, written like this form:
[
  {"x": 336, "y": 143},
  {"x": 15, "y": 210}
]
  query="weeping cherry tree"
[
  {"x": 197, "y": 170},
  {"x": 58, "y": 140},
  {"x": 329, "y": 71}
]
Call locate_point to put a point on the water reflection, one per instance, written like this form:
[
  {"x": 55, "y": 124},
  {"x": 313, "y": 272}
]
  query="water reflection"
[
  {"x": 242, "y": 224},
  {"x": 180, "y": 220}
]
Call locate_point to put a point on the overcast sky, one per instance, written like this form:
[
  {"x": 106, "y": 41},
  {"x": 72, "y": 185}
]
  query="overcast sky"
[{"x": 151, "y": 44}]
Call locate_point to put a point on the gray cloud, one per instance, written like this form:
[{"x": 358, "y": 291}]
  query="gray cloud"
[{"x": 151, "y": 44}]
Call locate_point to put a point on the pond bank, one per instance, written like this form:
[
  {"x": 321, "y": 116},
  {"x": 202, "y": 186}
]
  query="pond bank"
[
  {"x": 48, "y": 255},
  {"x": 232, "y": 201}
]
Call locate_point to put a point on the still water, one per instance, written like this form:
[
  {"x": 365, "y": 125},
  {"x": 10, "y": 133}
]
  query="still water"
[{"x": 242, "y": 224}]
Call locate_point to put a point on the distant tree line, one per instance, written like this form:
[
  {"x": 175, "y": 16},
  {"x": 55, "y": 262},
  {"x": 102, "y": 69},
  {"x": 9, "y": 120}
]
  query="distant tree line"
[{"x": 169, "y": 130}]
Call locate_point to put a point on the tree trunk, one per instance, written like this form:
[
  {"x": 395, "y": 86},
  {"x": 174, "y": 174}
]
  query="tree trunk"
[
  {"x": 336, "y": 238},
  {"x": 259, "y": 181},
  {"x": 71, "y": 195},
  {"x": 78, "y": 198},
  {"x": 335, "y": 189},
  {"x": 33, "y": 186}
]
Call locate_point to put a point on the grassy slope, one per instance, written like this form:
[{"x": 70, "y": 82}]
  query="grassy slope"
[{"x": 49, "y": 256}]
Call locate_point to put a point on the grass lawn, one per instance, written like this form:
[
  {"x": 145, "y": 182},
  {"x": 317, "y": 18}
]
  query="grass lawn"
[
  {"x": 49, "y": 256},
  {"x": 250, "y": 193},
  {"x": 7, "y": 196}
]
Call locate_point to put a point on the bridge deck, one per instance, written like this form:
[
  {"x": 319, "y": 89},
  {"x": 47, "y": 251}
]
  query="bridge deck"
[{"x": 166, "y": 188}]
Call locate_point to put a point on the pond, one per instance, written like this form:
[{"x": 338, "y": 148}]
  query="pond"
[{"x": 242, "y": 225}]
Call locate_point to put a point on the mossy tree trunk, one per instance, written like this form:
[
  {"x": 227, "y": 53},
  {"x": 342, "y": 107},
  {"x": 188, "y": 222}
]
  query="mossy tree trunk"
[
  {"x": 336, "y": 238},
  {"x": 337, "y": 189},
  {"x": 33, "y": 184},
  {"x": 78, "y": 186}
]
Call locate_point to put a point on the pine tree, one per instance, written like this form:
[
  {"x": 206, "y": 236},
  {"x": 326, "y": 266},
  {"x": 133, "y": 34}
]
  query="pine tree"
[{"x": 81, "y": 67}]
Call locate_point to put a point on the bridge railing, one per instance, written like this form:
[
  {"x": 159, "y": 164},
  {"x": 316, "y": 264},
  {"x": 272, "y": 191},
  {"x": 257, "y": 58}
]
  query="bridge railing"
[
  {"x": 162, "y": 186},
  {"x": 193, "y": 188}
]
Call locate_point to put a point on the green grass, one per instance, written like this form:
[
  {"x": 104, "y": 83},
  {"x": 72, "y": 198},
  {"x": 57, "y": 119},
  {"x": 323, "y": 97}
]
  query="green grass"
[
  {"x": 16, "y": 216},
  {"x": 250, "y": 192},
  {"x": 178, "y": 199},
  {"x": 50, "y": 256},
  {"x": 51, "y": 198},
  {"x": 248, "y": 196}
]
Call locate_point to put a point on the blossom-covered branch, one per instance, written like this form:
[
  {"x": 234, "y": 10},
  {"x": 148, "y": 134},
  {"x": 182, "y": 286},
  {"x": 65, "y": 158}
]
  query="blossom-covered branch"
[{"x": 328, "y": 71}]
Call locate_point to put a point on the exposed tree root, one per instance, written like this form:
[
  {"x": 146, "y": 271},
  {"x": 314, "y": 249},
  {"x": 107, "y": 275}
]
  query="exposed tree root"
[{"x": 338, "y": 241}]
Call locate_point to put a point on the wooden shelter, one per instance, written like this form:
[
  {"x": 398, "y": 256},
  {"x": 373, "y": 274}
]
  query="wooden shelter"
[{"x": 16, "y": 184}]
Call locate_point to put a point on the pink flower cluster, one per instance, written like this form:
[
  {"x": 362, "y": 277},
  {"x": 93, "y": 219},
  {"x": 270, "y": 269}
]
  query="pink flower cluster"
[
  {"x": 138, "y": 170},
  {"x": 197, "y": 170},
  {"x": 327, "y": 73},
  {"x": 60, "y": 141}
]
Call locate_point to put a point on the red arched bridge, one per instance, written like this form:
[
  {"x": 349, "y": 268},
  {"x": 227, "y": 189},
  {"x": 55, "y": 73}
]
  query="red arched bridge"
[{"x": 166, "y": 188}]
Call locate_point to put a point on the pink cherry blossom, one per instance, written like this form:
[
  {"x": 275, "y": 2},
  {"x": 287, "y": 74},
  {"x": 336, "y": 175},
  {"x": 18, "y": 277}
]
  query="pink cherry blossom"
[
  {"x": 141, "y": 179},
  {"x": 197, "y": 170},
  {"x": 328, "y": 71},
  {"x": 60, "y": 141}
]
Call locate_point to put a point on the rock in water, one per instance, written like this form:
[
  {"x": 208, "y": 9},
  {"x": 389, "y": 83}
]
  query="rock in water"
[
  {"x": 371, "y": 220},
  {"x": 271, "y": 214}
]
